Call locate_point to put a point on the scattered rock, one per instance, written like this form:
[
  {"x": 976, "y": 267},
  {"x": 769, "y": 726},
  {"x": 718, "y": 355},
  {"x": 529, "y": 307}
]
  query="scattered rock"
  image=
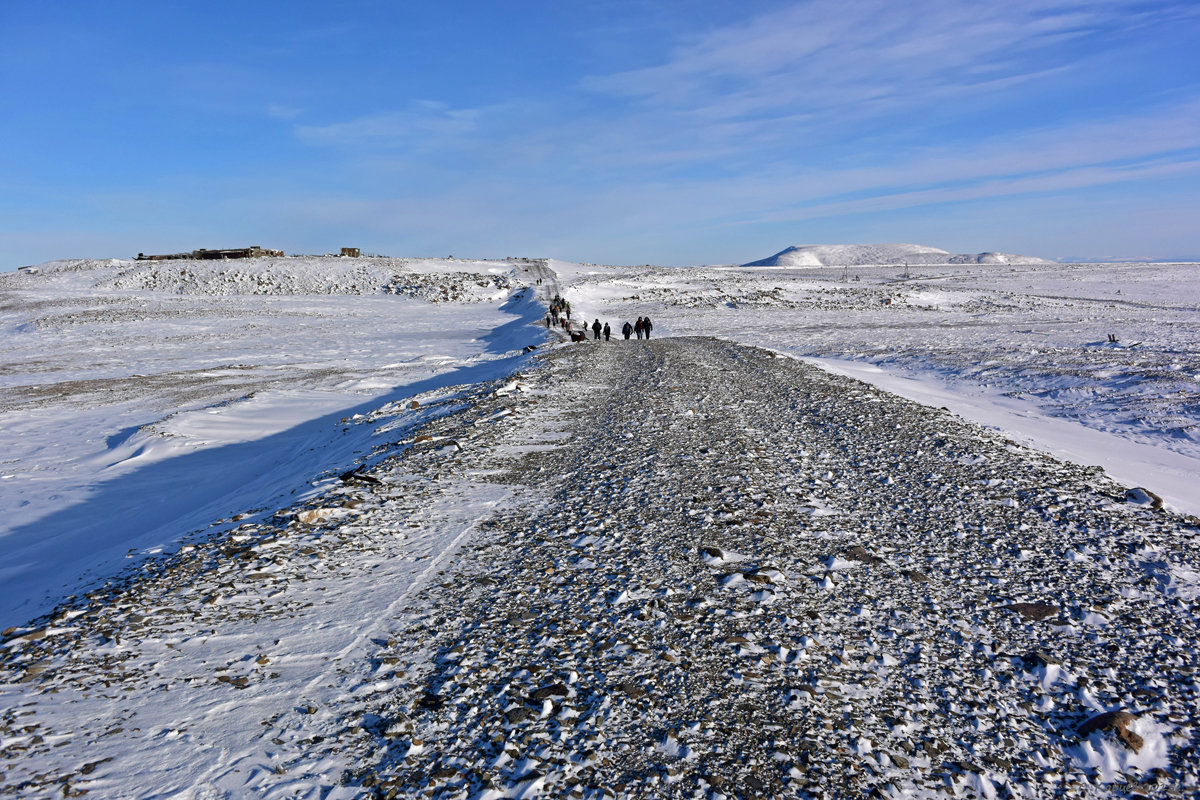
[
  {"x": 1116, "y": 722},
  {"x": 1144, "y": 497},
  {"x": 860, "y": 554},
  {"x": 1039, "y": 659},
  {"x": 633, "y": 689},
  {"x": 314, "y": 516},
  {"x": 1033, "y": 611},
  {"x": 517, "y": 715},
  {"x": 90, "y": 767},
  {"x": 555, "y": 690},
  {"x": 776, "y": 700},
  {"x": 431, "y": 702},
  {"x": 356, "y": 475}
]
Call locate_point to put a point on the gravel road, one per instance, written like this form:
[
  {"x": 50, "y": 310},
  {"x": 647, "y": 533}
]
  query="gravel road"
[
  {"x": 717, "y": 572},
  {"x": 756, "y": 579}
]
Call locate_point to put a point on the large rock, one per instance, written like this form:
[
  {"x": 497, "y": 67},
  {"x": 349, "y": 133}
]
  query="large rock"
[
  {"x": 1033, "y": 611},
  {"x": 1144, "y": 497},
  {"x": 862, "y": 555},
  {"x": 1114, "y": 722}
]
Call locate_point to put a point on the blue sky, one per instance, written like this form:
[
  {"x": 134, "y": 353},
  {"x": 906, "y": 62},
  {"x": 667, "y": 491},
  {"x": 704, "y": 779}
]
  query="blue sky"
[{"x": 613, "y": 131}]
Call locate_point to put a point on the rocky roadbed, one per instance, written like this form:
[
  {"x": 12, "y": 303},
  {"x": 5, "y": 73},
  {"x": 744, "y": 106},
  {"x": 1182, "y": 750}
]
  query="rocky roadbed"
[{"x": 715, "y": 573}]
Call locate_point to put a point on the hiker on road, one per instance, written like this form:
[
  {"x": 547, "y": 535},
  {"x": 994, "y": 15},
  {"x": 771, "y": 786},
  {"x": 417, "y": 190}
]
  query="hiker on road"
[
  {"x": 596, "y": 330},
  {"x": 646, "y": 327},
  {"x": 627, "y": 329},
  {"x": 607, "y": 332}
]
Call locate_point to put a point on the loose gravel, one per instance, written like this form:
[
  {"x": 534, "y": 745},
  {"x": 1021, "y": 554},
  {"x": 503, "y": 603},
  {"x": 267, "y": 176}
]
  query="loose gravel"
[
  {"x": 718, "y": 573},
  {"x": 754, "y": 579}
]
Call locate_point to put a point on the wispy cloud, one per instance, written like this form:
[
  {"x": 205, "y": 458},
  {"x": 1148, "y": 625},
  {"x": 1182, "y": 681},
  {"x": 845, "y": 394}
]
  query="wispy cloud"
[
  {"x": 276, "y": 111},
  {"x": 868, "y": 53},
  {"x": 423, "y": 124},
  {"x": 1006, "y": 186},
  {"x": 813, "y": 111}
]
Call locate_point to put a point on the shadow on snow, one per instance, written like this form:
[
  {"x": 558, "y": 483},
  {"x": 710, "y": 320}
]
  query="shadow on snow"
[{"x": 77, "y": 548}]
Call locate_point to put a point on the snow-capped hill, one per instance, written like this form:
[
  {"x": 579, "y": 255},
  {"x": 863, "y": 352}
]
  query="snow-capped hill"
[{"x": 855, "y": 255}]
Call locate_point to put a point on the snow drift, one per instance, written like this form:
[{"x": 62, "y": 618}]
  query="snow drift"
[{"x": 144, "y": 400}]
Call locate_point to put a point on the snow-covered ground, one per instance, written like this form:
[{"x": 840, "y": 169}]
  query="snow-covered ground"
[
  {"x": 1022, "y": 347},
  {"x": 173, "y": 434},
  {"x": 145, "y": 400},
  {"x": 839, "y": 255},
  {"x": 142, "y": 400}
]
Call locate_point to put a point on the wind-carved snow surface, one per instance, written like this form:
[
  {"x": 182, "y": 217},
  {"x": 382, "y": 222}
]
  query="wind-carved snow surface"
[
  {"x": 144, "y": 400},
  {"x": 377, "y": 549}
]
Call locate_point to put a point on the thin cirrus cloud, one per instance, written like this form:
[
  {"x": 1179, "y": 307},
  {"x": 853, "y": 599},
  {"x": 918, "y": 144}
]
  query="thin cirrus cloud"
[
  {"x": 814, "y": 110},
  {"x": 423, "y": 124},
  {"x": 761, "y": 91},
  {"x": 864, "y": 50},
  {"x": 1007, "y": 186},
  {"x": 817, "y": 81},
  {"x": 1170, "y": 133}
]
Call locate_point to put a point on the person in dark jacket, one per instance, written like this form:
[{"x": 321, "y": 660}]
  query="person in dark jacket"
[
  {"x": 596, "y": 330},
  {"x": 646, "y": 326},
  {"x": 607, "y": 332},
  {"x": 627, "y": 329},
  {"x": 637, "y": 327}
]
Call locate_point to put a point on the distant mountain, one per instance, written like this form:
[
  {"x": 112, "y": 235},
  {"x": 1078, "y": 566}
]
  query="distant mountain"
[{"x": 858, "y": 255}]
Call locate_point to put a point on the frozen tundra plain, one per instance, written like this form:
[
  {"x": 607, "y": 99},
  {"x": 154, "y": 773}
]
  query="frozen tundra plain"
[{"x": 320, "y": 527}]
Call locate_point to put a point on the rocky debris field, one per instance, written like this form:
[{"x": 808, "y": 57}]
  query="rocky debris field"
[
  {"x": 1115, "y": 350},
  {"x": 755, "y": 579},
  {"x": 715, "y": 573},
  {"x": 283, "y": 276},
  {"x": 229, "y": 668}
]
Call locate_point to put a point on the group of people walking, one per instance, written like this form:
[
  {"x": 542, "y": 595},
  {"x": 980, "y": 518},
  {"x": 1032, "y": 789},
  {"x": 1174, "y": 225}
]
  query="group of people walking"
[
  {"x": 559, "y": 315},
  {"x": 641, "y": 328},
  {"x": 560, "y": 312}
]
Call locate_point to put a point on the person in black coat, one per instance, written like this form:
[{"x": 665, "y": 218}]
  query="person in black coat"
[
  {"x": 646, "y": 326},
  {"x": 596, "y": 330},
  {"x": 627, "y": 329},
  {"x": 607, "y": 332}
]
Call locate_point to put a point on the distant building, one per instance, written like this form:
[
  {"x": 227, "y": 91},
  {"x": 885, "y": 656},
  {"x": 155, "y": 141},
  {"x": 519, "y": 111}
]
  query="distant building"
[
  {"x": 239, "y": 252},
  {"x": 351, "y": 252}
]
